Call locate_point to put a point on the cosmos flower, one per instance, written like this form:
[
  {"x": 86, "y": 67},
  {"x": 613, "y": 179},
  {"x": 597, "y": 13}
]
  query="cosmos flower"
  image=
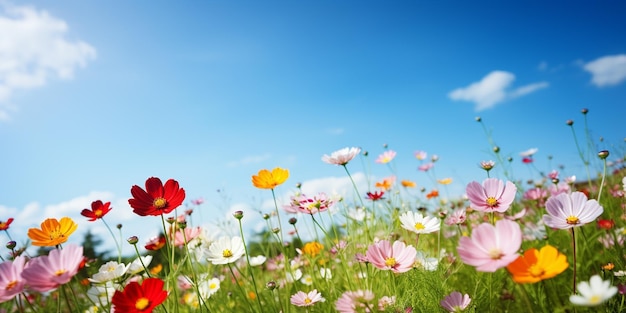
[
  {"x": 269, "y": 180},
  {"x": 157, "y": 199},
  {"x": 312, "y": 248},
  {"x": 537, "y": 265},
  {"x": 375, "y": 196},
  {"x": 456, "y": 302},
  {"x": 426, "y": 167},
  {"x": 225, "y": 250},
  {"x": 108, "y": 271},
  {"x": 341, "y": 157},
  {"x": 421, "y": 155},
  {"x": 457, "y": 217},
  {"x": 396, "y": 257},
  {"x": 445, "y": 181},
  {"x": 48, "y": 272},
  {"x": 155, "y": 243},
  {"x": 5, "y": 225},
  {"x": 386, "y": 157},
  {"x": 302, "y": 298},
  {"x": 355, "y": 301},
  {"x": 11, "y": 281},
  {"x": 303, "y": 204},
  {"x": 571, "y": 210},
  {"x": 386, "y": 184},
  {"x": 408, "y": 183},
  {"x": 535, "y": 194},
  {"x": 487, "y": 165},
  {"x": 529, "y": 153},
  {"x": 491, "y": 247},
  {"x": 492, "y": 196},
  {"x": 53, "y": 232},
  {"x": 418, "y": 223},
  {"x": 98, "y": 210},
  {"x": 140, "y": 297},
  {"x": 594, "y": 292},
  {"x": 432, "y": 194}
]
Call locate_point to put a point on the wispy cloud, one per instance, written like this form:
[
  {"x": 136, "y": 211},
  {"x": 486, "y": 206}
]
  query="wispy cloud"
[
  {"x": 335, "y": 131},
  {"x": 608, "y": 70},
  {"x": 33, "y": 49},
  {"x": 493, "y": 89},
  {"x": 253, "y": 159}
]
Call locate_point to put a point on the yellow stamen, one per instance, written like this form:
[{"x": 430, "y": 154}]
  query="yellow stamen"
[
  {"x": 142, "y": 303},
  {"x": 227, "y": 253},
  {"x": 595, "y": 299},
  {"x": 572, "y": 220},
  {"x": 495, "y": 254},
  {"x": 536, "y": 271},
  {"x": 159, "y": 203},
  {"x": 60, "y": 272},
  {"x": 419, "y": 226},
  {"x": 307, "y": 300},
  {"x": 492, "y": 202},
  {"x": 390, "y": 262}
]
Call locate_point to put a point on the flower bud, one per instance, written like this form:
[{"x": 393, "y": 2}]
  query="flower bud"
[
  {"x": 275, "y": 230},
  {"x": 119, "y": 226},
  {"x": 569, "y": 122},
  {"x": 11, "y": 245},
  {"x": 171, "y": 220},
  {"x": 496, "y": 149},
  {"x": 603, "y": 154},
  {"x": 293, "y": 221},
  {"x": 266, "y": 216},
  {"x": 132, "y": 240},
  {"x": 182, "y": 224},
  {"x": 271, "y": 285},
  {"x": 584, "y": 111},
  {"x": 478, "y": 119},
  {"x": 238, "y": 215}
]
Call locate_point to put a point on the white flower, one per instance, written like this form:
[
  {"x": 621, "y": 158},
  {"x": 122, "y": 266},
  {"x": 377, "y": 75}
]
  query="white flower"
[
  {"x": 294, "y": 275},
  {"x": 619, "y": 273},
  {"x": 307, "y": 280},
  {"x": 209, "y": 287},
  {"x": 326, "y": 273},
  {"x": 429, "y": 264},
  {"x": 594, "y": 292},
  {"x": 529, "y": 152},
  {"x": 358, "y": 214},
  {"x": 136, "y": 266},
  {"x": 257, "y": 260},
  {"x": 417, "y": 223},
  {"x": 341, "y": 157},
  {"x": 101, "y": 294},
  {"x": 225, "y": 250},
  {"x": 108, "y": 272}
]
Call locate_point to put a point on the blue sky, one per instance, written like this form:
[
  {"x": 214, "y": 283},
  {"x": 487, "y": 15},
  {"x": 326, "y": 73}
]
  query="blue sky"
[{"x": 98, "y": 96}]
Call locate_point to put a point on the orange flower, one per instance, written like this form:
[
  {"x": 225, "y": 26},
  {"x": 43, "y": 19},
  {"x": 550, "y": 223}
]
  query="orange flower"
[
  {"x": 433, "y": 194},
  {"x": 386, "y": 184},
  {"x": 268, "y": 180},
  {"x": 312, "y": 248},
  {"x": 408, "y": 184},
  {"x": 445, "y": 181},
  {"x": 537, "y": 265},
  {"x": 52, "y": 232}
]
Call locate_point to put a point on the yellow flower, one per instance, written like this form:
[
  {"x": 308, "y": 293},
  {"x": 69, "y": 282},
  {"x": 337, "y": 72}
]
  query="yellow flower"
[
  {"x": 408, "y": 184},
  {"x": 312, "y": 248},
  {"x": 386, "y": 184},
  {"x": 445, "y": 181},
  {"x": 52, "y": 232},
  {"x": 155, "y": 270},
  {"x": 268, "y": 180},
  {"x": 537, "y": 265}
]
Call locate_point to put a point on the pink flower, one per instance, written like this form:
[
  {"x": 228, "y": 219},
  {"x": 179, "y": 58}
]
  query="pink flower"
[
  {"x": 554, "y": 174},
  {"x": 301, "y": 203},
  {"x": 302, "y": 298},
  {"x": 386, "y": 157},
  {"x": 492, "y": 196},
  {"x": 421, "y": 155},
  {"x": 491, "y": 247},
  {"x": 571, "y": 210},
  {"x": 535, "y": 194},
  {"x": 355, "y": 301},
  {"x": 426, "y": 167},
  {"x": 11, "y": 282},
  {"x": 190, "y": 234},
  {"x": 398, "y": 258},
  {"x": 457, "y": 217},
  {"x": 456, "y": 302},
  {"x": 341, "y": 157},
  {"x": 561, "y": 187},
  {"x": 48, "y": 272}
]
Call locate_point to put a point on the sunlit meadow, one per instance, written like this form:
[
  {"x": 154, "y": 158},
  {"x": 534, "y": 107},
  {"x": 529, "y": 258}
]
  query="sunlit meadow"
[{"x": 505, "y": 245}]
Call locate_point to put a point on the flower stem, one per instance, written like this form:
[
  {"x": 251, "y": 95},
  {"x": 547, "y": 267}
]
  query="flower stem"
[
  {"x": 117, "y": 244},
  {"x": 258, "y": 296},
  {"x": 574, "y": 253}
]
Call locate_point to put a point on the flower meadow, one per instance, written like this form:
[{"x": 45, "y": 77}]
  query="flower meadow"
[{"x": 555, "y": 244}]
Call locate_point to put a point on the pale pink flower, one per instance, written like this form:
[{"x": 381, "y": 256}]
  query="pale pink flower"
[
  {"x": 190, "y": 233},
  {"x": 355, "y": 301},
  {"x": 386, "y": 157},
  {"x": 341, "y": 157},
  {"x": 303, "y": 204},
  {"x": 561, "y": 187},
  {"x": 302, "y": 298},
  {"x": 48, "y": 272},
  {"x": 567, "y": 210},
  {"x": 491, "y": 247},
  {"x": 456, "y": 302},
  {"x": 386, "y": 302},
  {"x": 11, "y": 282},
  {"x": 457, "y": 217},
  {"x": 398, "y": 258},
  {"x": 554, "y": 174},
  {"x": 535, "y": 194},
  {"x": 421, "y": 155},
  {"x": 425, "y": 167},
  {"x": 492, "y": 196}
]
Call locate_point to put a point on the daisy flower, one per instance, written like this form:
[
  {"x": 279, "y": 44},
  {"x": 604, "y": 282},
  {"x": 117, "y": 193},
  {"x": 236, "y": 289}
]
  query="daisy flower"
[
  {"x": 418, "y": 223},
  {"x": 225, "y": 250},
  {"x": 594, "y": 292}
]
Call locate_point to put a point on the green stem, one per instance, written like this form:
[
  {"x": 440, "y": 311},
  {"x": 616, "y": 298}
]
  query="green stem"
[
  {"x": 117, "y": 244},
  {"x": 258, "y": 296},
  {"x": 574, "y": 253}
]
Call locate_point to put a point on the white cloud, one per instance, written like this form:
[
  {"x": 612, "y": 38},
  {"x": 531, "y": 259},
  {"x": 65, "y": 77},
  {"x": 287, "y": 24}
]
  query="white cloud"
[
  {"x": 492, "y": 89},
  {"x": 34, "y": 49},
  {"x": 608, "y": 70}
]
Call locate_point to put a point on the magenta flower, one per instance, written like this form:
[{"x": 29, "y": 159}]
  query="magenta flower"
[
  {"x": 456, "y": 302},
  {"x": 302, "y": 298},
  {"x": 491, "y": 247},
  {"x": 48, "y": 272},
  {"x": 567, "y": 210},
  {"x": 11, "y": 282},
  {"x": 303, "y": 204},
  {"x": 398, "y": 258},
  {"x": 341, "y": 157},
  {"x": 386, "y": 157},
  {"x": 492, "y": 196},
  {"x": 355, "y": 301}
]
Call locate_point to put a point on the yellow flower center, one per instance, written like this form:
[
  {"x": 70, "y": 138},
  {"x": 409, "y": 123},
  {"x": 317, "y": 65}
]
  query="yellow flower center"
[
  {"x": 98, "y": 213},
  {"x": 390, "y": 262},
  {"x": 212, "y": 286},
  {"x": 10, "y": 285},
  {"x": 572, "y": 220},
  {"x": 595, "y": 299},
  {"x": 159, "y": 203},
  {"x": 55, "y": 234},
  {"x": 60, "y": 272},
  {"x": 492, "y": 202},
  {"x": 536, "y": 271},
  {"x": 495, "y": 254},
  {"x": 419, "y": 226},
  {"x": 307, "y": 300},
  {"x": 227, "y": 253},
  {"x": 142, "y": 303}
]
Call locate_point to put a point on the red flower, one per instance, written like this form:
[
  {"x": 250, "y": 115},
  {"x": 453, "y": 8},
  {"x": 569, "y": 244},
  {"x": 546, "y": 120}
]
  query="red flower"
[
  {"x": 157, "y": 199},
  {"x": 5, "y": 225},
  {"x": 155, "y": 243},
  {"x": 376, "y": 195},
  {"x": 605, "y": 224},
  {"x": 138, "y": 298},
  {"x": 98, "y": 210},
  {"x": 527, "y": 160}
]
